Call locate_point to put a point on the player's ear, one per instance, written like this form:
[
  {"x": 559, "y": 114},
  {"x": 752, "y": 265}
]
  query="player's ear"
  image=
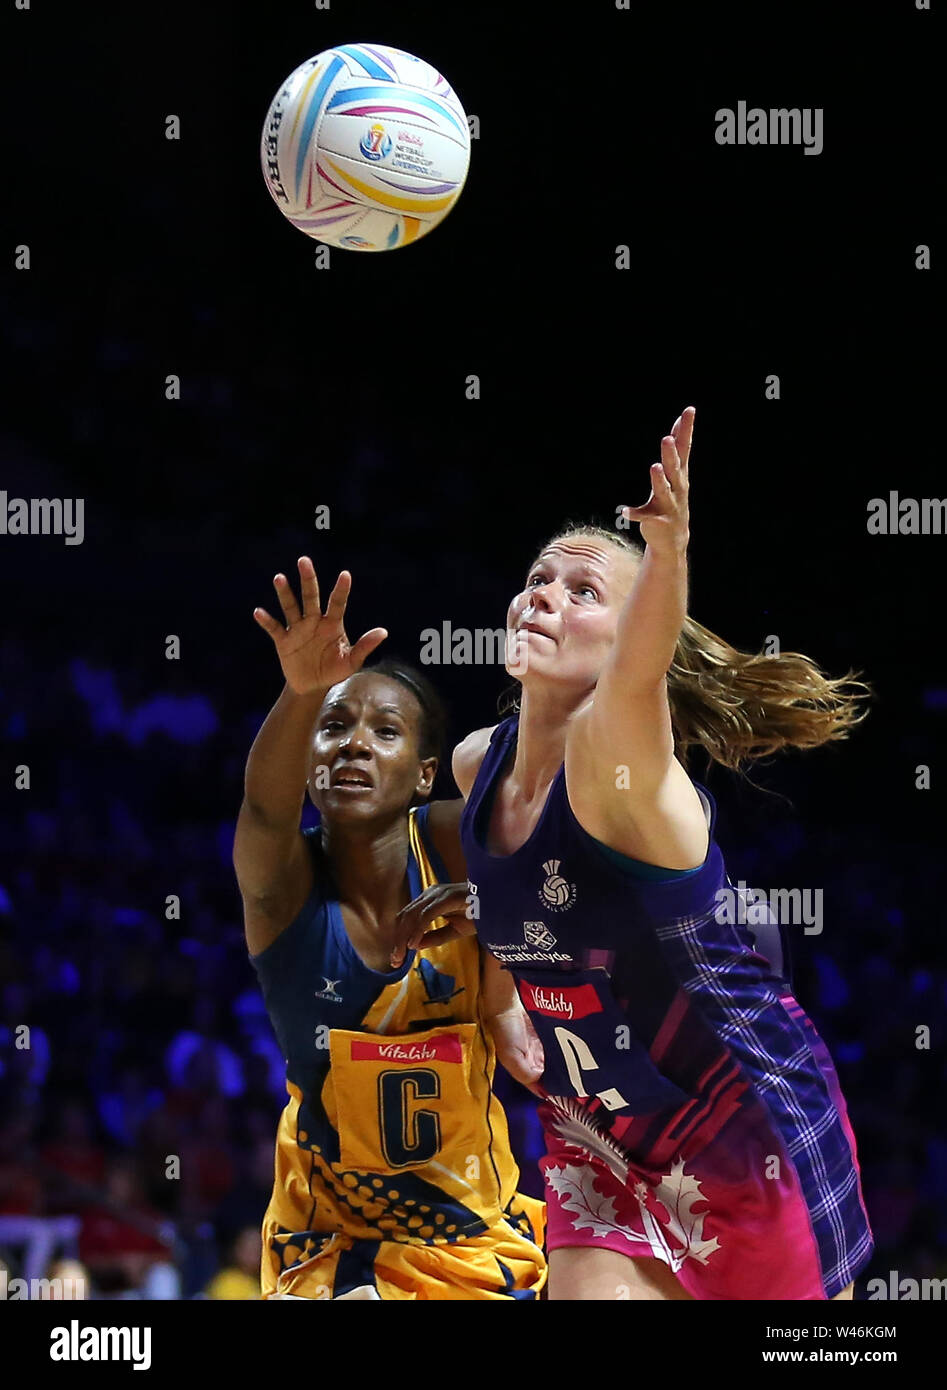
[{"x": 427, "y": 771}]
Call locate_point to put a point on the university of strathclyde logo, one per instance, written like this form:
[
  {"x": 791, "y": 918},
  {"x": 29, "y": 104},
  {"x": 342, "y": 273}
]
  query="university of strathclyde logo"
[
  {"x": 329, "y": 991},
  {"x": 538, "y": 934},
  {"x": 556, "y": 893}
]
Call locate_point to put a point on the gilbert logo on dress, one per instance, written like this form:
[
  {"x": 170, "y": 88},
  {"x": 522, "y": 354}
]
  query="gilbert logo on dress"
[
  {"x": 328, "y": 991},
  {"x": 556, "y": 893}
]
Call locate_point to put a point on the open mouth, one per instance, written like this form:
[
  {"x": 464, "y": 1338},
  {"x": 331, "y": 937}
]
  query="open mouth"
[{"x": 352, "y": 781}]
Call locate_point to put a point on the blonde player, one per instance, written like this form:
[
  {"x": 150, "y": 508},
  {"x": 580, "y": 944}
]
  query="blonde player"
[{"x": 697, "y": 1141}]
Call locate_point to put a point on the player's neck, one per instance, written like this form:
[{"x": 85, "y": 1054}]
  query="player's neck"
[
  {"x": 541, "y": 741},
  {"x": 369, "y": 868}
]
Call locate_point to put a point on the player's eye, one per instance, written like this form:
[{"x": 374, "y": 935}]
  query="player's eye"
[
  {"x": 389, "y": 731},
  {"x": 535, "y": 579},
  {"x": 332, "y": 724}
]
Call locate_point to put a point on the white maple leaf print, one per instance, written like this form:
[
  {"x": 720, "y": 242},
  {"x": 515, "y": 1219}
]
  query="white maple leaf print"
[
  {"x": 673, "y": 1239},
  {"x": 574, "y": 1185},
  {"x": 576, "y": 1127},
  {"x": 678, "y": 1192}
]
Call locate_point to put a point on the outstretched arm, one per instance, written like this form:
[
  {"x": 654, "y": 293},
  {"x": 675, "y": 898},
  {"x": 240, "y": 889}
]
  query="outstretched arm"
[
  {"x": 652, "y": 810},
  {"x": 270, "y": 856}
]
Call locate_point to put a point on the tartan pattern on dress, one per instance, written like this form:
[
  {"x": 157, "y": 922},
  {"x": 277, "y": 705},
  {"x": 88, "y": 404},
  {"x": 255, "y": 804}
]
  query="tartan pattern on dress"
[{"x": 772, "y": 1048}]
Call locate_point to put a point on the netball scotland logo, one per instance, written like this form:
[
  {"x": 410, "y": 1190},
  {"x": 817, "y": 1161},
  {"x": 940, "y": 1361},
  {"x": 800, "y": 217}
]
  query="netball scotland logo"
[
  {"x": 375, "y": 143},
  {"x": 556, "y": 893}
]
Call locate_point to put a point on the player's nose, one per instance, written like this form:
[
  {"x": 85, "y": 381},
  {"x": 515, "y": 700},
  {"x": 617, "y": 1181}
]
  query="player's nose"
[
  {"x": 546, "y": 596},
  {"x": 356, "y": 742}
]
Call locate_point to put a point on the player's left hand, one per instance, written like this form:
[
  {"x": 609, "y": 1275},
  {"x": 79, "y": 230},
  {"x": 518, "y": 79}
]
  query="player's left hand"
[
  {"x": 446, "y": 901},
  {"x": 518, "y": 1046},
  {"x": 664, "y": 519}
]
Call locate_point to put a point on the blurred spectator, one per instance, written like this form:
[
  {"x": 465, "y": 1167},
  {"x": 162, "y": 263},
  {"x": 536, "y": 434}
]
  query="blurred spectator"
[
  {"x": 248, "y": 1197},
  {"x": 207, "y": 1163},
  {"x": 24, "y": 1044},
  {"x": 125, "y": 1106},
  {"x": 71, "y": 1280},
  {"x": 149, "y": 1040},
  {"x": 21, "y": 1186},
  {"x": 122, "y": 1237},
  {"x": 219, "y": 1065},
  {"x": 73, "y": 1153},
  {"x": 240, "y": 1277}
]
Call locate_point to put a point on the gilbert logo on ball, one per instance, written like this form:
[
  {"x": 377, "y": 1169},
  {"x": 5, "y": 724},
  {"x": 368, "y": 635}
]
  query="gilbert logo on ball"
[{"x": 365, "y": 147}]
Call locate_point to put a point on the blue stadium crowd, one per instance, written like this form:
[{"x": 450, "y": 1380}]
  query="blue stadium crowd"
[{"x": 140, "y": 1080}]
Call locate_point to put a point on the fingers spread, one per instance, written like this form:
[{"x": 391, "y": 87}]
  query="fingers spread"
[
  {"x": 267, "y": 623},
  {"x": 661, "y": 483},
  {"x": 683, "y": 433},
  {"x": 366, "y": 645},
  {"x": 287, "y": 599},
  {"x": 632, "y": 513},
  {"x": 309, "y": 586},
  {"x": 671, "y": 463},
  {"x": 335, "y": 608}
]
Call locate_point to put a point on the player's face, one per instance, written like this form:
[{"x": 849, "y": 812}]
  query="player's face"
[
  {"x": 365, "y": 760},
  {"x": 566, "y": 616}
]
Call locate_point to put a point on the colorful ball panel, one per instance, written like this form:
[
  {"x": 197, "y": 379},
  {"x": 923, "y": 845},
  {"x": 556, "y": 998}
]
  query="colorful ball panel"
[{"x": 365, "y": 128}]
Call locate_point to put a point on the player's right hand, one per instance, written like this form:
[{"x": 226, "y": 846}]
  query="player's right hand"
[
  {"x": 313, "y": 649},
  {"x": 437, "y": 915}
]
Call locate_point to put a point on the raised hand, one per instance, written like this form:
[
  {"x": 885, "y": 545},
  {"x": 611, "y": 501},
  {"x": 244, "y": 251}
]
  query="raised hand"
[
  {"x": 664, "y": 518},
  {"x": 313, "y": 649}
]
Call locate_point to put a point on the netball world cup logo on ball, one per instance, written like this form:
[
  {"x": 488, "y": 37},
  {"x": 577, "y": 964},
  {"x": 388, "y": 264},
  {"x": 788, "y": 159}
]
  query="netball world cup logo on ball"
[
  {"x": 375, "y": 143},
  {"x": 556, "y": 893}
]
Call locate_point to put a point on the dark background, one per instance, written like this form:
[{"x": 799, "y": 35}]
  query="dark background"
[{"x": 346, "y": 387}]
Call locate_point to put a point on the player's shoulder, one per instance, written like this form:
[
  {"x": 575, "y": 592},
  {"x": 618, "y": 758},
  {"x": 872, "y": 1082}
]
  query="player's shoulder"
[
  {"x": 442, "y": 824},
  {"x": 468, "y": 755}
]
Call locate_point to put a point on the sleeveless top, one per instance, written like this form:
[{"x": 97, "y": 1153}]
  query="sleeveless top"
[
  {"x": 635, "y": 985},
  {"x": 392, "y": 1130}
]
